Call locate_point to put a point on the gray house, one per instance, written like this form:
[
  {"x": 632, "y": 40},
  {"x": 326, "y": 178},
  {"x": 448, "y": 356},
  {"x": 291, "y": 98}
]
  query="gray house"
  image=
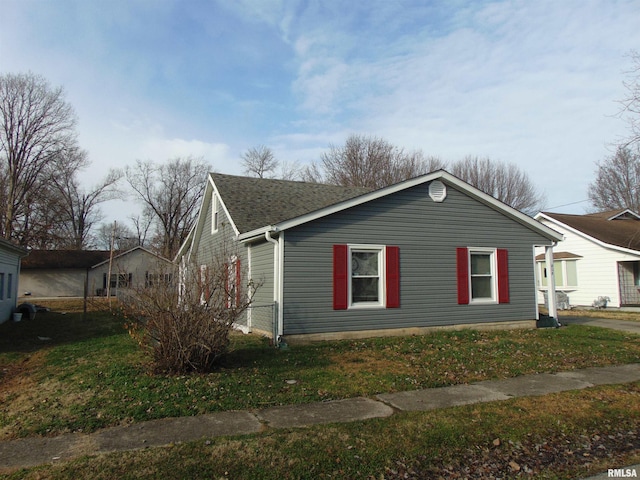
[
  {"x": 337, "y": 262},
  {"x": 10, "y": 256}
]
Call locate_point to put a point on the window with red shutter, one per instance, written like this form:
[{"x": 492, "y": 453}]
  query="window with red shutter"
[{"x": 362, "y": 274}]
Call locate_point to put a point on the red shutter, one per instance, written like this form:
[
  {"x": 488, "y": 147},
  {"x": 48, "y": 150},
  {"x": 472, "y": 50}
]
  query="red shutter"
[
  {"x": 393, "y": 277},
  {"x": 340, "y": 277},
  {"x": 462, "y": 263},
  {"x": 227, "y": 285},
  {"x": 238, "y": 279},
  {"x": 503, "y": 276}
]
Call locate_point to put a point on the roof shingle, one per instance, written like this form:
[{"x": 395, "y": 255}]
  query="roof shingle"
[
  {"x": 621, "y": 232},
  {"x": 258, "y": 202}
]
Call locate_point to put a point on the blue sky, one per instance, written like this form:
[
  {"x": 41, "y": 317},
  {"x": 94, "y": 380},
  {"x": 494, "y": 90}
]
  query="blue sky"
[{"x": 533, "y": 83}]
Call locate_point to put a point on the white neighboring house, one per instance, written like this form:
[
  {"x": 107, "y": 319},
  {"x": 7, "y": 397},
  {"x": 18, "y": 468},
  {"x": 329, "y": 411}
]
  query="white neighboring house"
[
  {"x": 599, "y": 257},
  {"x": 10, "y": 256}
]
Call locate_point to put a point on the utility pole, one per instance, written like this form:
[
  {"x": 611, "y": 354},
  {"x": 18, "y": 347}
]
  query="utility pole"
[{"x": 113, "y": 239}]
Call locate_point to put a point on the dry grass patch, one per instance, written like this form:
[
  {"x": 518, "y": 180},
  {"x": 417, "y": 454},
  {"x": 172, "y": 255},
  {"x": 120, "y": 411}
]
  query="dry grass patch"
[{"x": 374, "y": 362}]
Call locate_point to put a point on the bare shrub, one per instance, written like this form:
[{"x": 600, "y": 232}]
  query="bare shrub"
[{"x": 184, "y": 317}]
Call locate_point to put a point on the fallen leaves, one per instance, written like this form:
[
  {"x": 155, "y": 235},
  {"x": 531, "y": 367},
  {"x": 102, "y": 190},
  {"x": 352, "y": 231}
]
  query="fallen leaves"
[{"x": 506, "y": 459}]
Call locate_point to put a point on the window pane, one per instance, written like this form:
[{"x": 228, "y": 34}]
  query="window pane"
[
  {"x": 480, "y": 264},
  {"x": 364, "y": 290},
  {"x": 364, "y": 264},
  {"x": 557, "y": 270},
  {"x": 572, "y": 273},
  {"x": 543, "y": 274},
  {"x": 481, "y": 287}
]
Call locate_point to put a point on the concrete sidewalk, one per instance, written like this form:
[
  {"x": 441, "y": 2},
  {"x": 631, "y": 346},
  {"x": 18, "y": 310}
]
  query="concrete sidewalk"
[{"x": 30, "y": 452}]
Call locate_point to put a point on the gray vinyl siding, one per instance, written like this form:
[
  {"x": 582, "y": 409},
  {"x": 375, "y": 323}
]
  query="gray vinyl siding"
[
  {"x": 221, "y": 243},
  {"x": 427, "y": 234},
  {"x": 262, "y": 272}
]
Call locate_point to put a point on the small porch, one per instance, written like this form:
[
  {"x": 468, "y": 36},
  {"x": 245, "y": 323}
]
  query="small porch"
[{"x": 629, "y": 283}]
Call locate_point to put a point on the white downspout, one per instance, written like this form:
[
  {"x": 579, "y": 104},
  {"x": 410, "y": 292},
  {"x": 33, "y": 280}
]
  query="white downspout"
[
  {"x": 276, "y": 282},
  {"x": 551, "y": 283}
]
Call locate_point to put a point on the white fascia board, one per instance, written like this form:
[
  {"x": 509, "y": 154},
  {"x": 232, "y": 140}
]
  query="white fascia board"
[
  {"x": 589, "y": 237},
  {"x": 441, "y": 175},
  {"x": 624, "y": 212},
  {"x": 258, "y": 232},
  {"x": 224, "y": 206}
]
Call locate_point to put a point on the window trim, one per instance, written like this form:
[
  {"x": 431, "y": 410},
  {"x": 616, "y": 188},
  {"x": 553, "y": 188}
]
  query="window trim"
[
  {"x": 492, "y": 252},
  {"x": 215, "y": 213},
  {"x": 382, "y": 281}
]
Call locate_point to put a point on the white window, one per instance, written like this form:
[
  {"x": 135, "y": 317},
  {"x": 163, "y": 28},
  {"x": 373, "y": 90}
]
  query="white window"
[
  {"x": 215, "y": 213},
  {"x": 566, "y": 273},
  {"x": 366, "y": 274},
  {"x": 482, "y": 273}
]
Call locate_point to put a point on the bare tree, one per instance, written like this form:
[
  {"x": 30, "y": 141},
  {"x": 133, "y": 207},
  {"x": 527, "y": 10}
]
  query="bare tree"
[
  {"x": 503, "y": 181},
  {"x": 617, "y": 183},
  {"x": 36, "y": 126},
  {"x": 78, "y": 208},
  {"x": 172, "y": 191},
  {"x": 630, "y": 104},
  {"x": 259, "y": 162},
  {"x": 123, "y": 237},
  {"x": 365, "y": 161}
]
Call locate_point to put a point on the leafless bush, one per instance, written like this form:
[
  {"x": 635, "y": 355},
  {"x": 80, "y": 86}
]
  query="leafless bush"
[{"x": 184, "y": 317}]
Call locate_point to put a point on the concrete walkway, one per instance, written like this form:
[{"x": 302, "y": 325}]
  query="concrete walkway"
[{"x": 34, "y": 451}]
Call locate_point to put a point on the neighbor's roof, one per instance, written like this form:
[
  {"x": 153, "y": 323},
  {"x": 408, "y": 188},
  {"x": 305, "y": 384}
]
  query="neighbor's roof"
[
  {"x": 44, "y": 259},
  {"x": 623, "y": 231},
  {"x": 255, "y": 202},
  {"x": 560, "y": 256},
  {"x": 13, "y": 247}
]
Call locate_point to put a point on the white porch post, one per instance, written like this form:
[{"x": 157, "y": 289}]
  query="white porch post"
[{"x": 551, "y": 282}]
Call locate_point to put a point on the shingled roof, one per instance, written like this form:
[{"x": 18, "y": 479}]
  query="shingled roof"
[
  {"x": 257, "y": 202},
  {"x": 622, "y": 231},
  {"x": 45, "y": 259}
]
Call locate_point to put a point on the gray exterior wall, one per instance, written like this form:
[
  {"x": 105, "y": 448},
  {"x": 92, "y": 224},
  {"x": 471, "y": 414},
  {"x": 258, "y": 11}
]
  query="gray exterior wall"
[
  {"x": 427, "y": 234},
  {"x": 63, "y": 282},
  {"x": 211, "y": 245},
  {"x": 10, "y": 269}
]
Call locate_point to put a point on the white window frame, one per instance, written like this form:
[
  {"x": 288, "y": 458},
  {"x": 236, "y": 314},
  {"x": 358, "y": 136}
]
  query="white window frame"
[
  {"x": 560, "y": 264},
  {"x": 493, "y": 275},
  {"x": 381, "y": 251},
  {"x": 215, "y": 213}
]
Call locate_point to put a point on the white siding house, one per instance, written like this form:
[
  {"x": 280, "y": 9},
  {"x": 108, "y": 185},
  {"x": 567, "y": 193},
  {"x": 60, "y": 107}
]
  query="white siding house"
[
  {"x": 10, "y": 256},
  {"x": 599, "y": 257}
]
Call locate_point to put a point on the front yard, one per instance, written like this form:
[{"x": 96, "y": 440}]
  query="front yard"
[{"x": 60, "y": 373}]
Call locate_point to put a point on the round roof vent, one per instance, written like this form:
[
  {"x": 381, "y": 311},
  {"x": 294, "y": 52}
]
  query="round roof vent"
[{"x": 437, "y": 191}]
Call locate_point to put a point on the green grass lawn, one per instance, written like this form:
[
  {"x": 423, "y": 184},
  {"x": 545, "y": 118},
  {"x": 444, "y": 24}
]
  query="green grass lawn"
[
  {"x": 560, "y": 436},
  {"x": 61, "y": 373}
]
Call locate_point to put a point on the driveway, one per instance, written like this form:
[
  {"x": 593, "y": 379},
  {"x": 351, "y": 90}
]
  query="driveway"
[{"x": 623, "y": 325}]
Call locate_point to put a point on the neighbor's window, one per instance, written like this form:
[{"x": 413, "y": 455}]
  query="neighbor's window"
[
  {"x": 1, "y": 286},
  {"x": 566, "y": 273},
  {"x": 366, "y": 276},
  {"x": 482, "y": 275},
  {"x": 9, "y": 285}
]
